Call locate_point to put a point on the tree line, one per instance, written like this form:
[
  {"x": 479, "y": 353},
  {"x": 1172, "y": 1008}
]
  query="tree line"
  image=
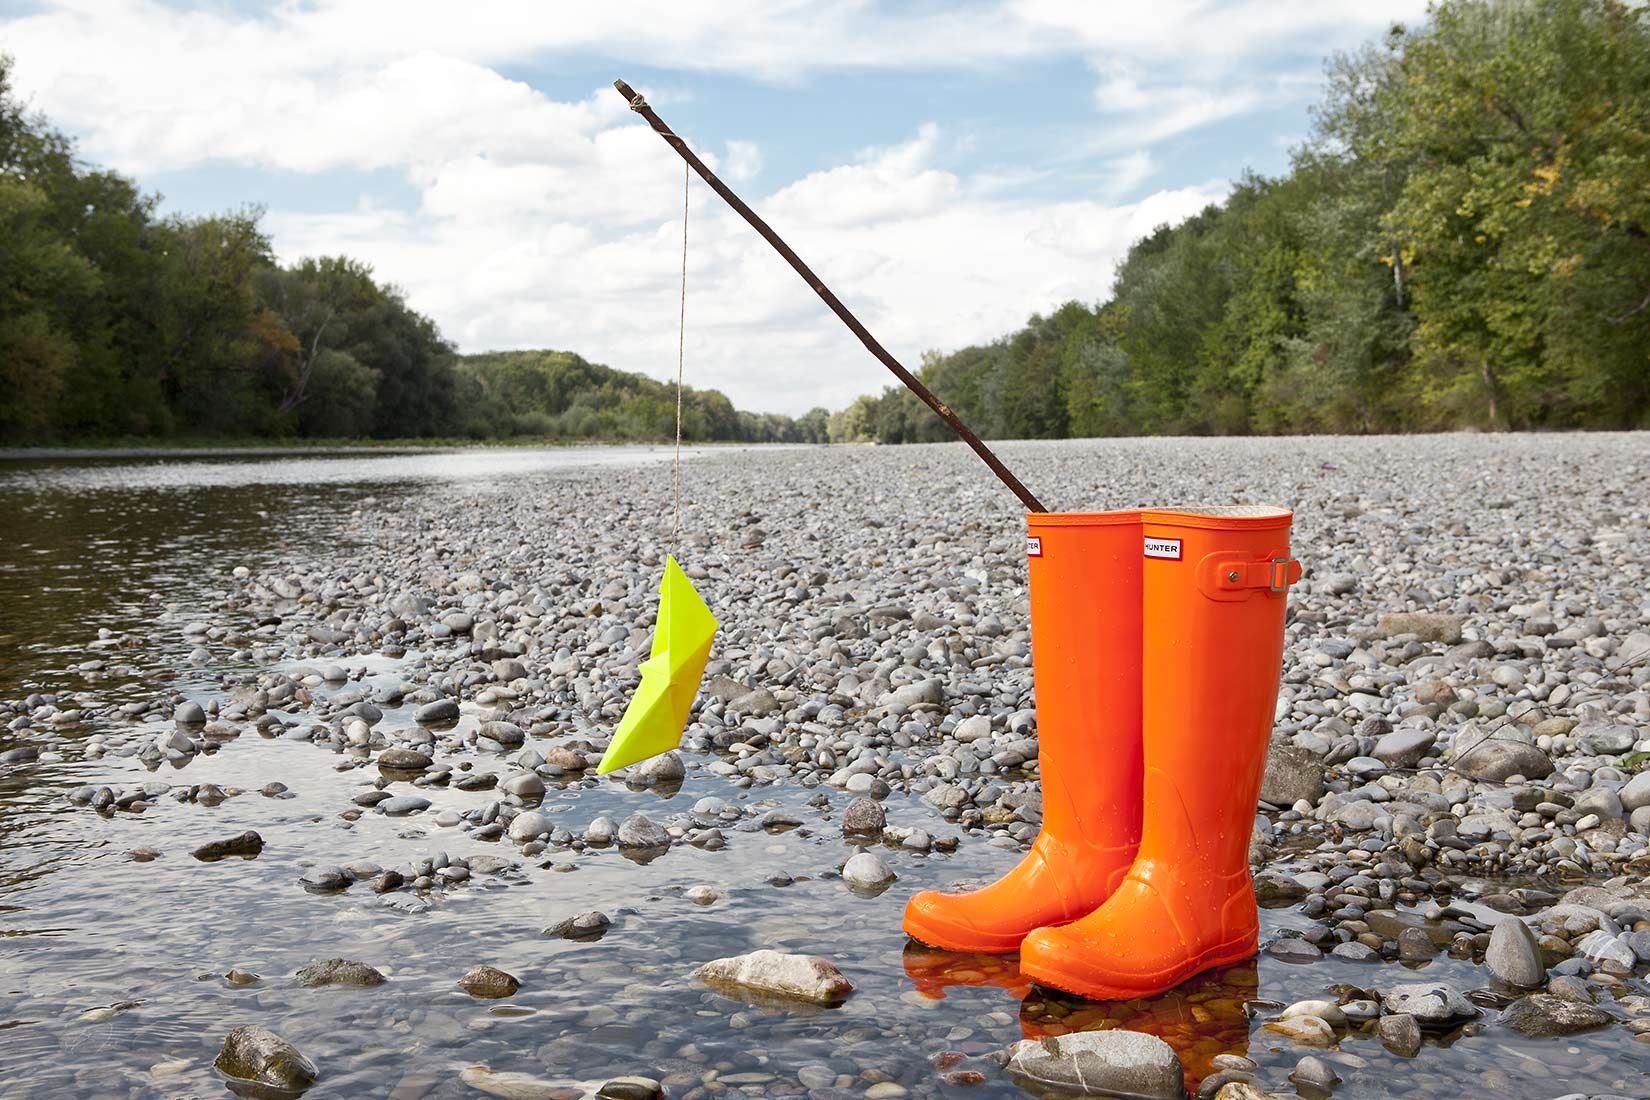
[
  {"x": 117, "y": 322},
  {"x": 1462, "y": 242}
]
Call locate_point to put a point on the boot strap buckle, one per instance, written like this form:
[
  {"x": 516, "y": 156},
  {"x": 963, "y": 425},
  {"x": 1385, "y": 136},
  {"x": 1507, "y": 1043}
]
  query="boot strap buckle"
[{"x": 1225, "y": 578}]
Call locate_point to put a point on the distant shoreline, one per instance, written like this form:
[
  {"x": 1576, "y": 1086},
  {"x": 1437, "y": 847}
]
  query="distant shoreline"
[{"x": 336, "y": 447}]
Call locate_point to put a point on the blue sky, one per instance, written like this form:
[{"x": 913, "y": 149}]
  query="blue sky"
[{"x": 949, "y": 169}]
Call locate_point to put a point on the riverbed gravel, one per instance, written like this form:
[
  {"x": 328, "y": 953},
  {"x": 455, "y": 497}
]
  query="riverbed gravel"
[{"x": 1457, "y": 781}]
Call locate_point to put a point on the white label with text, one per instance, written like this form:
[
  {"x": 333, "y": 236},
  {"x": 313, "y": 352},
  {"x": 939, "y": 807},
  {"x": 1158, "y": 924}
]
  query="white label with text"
[
  {"x": 1034, "y": 546},
  {"x": 1163, "y": 548}
]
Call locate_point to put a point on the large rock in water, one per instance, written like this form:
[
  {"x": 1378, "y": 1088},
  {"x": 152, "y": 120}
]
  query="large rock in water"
[
  {"x": 339, "y": 972},
  {"x": 640, "y": 831},
  {"x": 864, "y": 817},
  {"x": 1436, "y": 1007},
  {"x": 489, "y": 982},
  {"x": 1100, "y": 1063},
  {"x": 256, "y": 1054},
  {"x": 867, "y": 871},
  {"x": 794, "y": 977},
  {"x": 439, "y": 711},
  {"x": 517, "y": 1086},
  {"x": 1513, "y": 955},
  {"x": 246, "y": 845},
  {"x": 532, "y": 823},
  {"x": 1292, "y": 773},
  {"x": 406, "y": 760},
  {"x": 1543, "y": 1016},
  {"x": 659, "y": 771}
]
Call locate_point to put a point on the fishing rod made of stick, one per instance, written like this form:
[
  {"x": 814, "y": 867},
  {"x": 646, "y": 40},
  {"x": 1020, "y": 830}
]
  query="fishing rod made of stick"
[{"x": 912, "y": 383}]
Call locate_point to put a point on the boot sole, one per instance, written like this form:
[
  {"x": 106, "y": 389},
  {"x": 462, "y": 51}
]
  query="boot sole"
[
  {"x": 1002, "y": 945},
  {"x": 1209, "y": 959}
]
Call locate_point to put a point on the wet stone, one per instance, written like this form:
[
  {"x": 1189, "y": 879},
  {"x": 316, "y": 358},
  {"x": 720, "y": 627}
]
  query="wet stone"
[
  {"x": 867, "y": 871},
  {"x": 1292, "y": 949},
  {"x": 246, "y": 846},
  {"x": 253, "y": 1053},
  {"x": 1100, "y": 1063},
  {"x": 798, "y": 977},
  {"x": 631, "y": 1088},
  {"x": 863, "y": 817},
  {"x": 1513, "y": 956},
  {"x": 1434, "y": 1005},
  {"x": 1314, "y": 1072},
  {"x": 585, "y": 926},
  {"x": 640, "y": 831},
  {"x": 531, "y": 824},
  {"x": 440, "y": 711},
  {"x": 1542, "y": 1015},
  {"x": 517, "y": 1086},
  {"x": 1414, "y": 945},
  {"x": 410, "y": 760},
  {"x": 489, "y": 982},
  {"x": 1275, "y": 889},
  {"x": 325, "y": 879},
  {"x": 1400, "y": 1033},
  {"x": 339, "y": 972}
]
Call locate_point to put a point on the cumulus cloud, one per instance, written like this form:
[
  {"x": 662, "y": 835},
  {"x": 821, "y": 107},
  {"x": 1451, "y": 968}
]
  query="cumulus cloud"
[{"x": 543, "y": 221}]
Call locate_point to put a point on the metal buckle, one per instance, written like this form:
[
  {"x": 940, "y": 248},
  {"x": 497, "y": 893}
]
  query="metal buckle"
[{"x": 1272, "y": 580}]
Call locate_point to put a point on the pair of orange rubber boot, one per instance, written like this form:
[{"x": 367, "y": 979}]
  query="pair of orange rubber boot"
[{"x": 1157, "y": 645}]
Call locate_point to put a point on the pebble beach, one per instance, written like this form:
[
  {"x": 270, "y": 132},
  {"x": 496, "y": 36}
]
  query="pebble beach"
[{"x": 301, "y": 797}]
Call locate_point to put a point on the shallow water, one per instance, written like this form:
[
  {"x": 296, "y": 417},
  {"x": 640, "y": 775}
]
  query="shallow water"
[{"x": 143, "y": 546}]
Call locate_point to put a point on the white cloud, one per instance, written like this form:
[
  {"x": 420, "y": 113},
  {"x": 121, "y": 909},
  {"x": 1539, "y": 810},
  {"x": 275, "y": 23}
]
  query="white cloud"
[
  {"x": 925, "y": 264},
  {"x": 548, "y": 222}
]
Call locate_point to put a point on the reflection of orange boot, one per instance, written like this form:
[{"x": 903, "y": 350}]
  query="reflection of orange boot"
[
  {"x": 1085, "y": 627},
  {"x": 1202, "y": 1018},
  {"x": 933, "y": 972},
  {"x": 1213, "y": 586}
]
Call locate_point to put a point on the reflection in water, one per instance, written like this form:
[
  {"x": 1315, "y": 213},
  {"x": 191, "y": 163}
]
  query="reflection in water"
[{"x": 1202, "y": 1019}]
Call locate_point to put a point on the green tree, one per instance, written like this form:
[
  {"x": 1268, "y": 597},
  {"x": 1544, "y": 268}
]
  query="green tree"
[{"x": 1525, "y": 222}]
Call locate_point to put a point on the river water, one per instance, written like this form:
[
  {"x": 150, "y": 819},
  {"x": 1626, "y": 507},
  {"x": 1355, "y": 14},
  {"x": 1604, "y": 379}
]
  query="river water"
[{"x": 111, "y": 973}]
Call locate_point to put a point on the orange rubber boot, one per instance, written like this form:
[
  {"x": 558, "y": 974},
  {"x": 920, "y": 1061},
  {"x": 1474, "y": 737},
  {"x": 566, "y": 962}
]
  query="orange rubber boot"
[
  {"x": 1085, "y": 628},
  {"x": 1214, "y": 588}
]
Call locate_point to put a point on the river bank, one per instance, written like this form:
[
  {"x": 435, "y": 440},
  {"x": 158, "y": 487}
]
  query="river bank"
[{"x": 400, "y": 681}]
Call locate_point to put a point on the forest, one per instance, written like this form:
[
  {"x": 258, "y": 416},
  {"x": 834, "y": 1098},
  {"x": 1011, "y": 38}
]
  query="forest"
[
  {"x": 117, "y": 323},
  {"x": 1462, "y": 243}
]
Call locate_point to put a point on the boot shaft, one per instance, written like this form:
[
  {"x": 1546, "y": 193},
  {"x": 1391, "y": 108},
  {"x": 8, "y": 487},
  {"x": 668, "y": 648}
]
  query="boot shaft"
[
  {"x": 1084, "y": 574},
  {"x": 1213, "y": 593},
  {"x": 1085, "y": 577}
]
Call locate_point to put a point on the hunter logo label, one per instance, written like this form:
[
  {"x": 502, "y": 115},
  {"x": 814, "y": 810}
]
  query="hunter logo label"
[
  {"x": 1034, "y": 546},
  {"x": 1163, "y": 548}
]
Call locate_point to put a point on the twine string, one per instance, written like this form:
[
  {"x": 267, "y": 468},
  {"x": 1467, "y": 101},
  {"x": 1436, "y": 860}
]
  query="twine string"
[{"x": 681, "y": 344}]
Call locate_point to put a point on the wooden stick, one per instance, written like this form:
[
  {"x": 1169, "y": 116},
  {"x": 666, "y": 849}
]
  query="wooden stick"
[{"x": 639, "y": 105}]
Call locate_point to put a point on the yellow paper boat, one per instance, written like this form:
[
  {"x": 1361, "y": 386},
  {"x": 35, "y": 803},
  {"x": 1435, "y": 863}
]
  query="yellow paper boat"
[{"x": 658, "y": 712}]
